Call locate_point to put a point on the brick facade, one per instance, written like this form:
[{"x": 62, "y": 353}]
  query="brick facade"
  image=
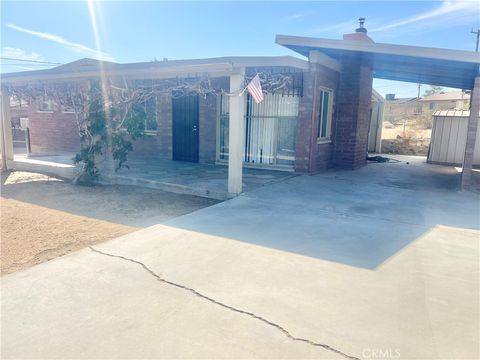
[
  {"x": 160, "y": 144},
  {"x": 57, "y": 132},
  {"x": 208, "y": 129},
  {"x": 309, "y": 155},
  {"x": 353, "y": 113},
  {"x": 53, "y": 131}
]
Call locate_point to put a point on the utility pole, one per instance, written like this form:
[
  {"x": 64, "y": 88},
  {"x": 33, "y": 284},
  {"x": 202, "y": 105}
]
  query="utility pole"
[
  {"x": 478, "y": 37},
  {"x": 418, "y": 94}
]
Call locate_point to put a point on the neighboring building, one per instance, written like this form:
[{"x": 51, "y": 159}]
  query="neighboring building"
[
  {"x": 398, "y": 110},
  {"x": 452, "y": 100}
]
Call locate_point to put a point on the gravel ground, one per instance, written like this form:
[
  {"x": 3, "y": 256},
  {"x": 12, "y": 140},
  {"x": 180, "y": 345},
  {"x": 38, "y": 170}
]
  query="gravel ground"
[{"x": 44, "y": 217}]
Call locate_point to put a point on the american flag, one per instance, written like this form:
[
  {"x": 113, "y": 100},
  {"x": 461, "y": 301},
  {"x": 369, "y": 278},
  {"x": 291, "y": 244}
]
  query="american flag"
[{"x": 255, "y": 89}]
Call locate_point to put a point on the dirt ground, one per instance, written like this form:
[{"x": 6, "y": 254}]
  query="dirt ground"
[
  {"x": 411, "y": 142},
  {"x": 44, "y": 217}
]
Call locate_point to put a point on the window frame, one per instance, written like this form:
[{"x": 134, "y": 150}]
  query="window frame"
[
  {"x": 146, "y": 131},
  {"x": 328, "y": 128},
  {"x": 223, "y": 115},
  {"x": 51, "y": 109},
  {"x": 155, "y": 110}
]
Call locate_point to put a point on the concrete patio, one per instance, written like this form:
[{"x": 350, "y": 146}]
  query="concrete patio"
[
  {"x": 345, "y": 264},
  {"x": 192, "y": 178},
  {"x": 175, "y": 176}
]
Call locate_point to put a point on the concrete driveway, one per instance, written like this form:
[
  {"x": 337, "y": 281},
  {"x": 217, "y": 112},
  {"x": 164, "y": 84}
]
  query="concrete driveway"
[{"x": 382, "y": 262}]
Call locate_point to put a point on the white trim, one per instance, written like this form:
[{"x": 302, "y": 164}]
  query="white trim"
[
  {"x": 323, "y": 141},
  {"x": 331, "y": 97},
  {"x": 151, "y": 132}
]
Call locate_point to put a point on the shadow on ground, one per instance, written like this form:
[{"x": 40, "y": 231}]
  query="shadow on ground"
[
  {"x": 359, "y": 218},
  {"x": 127, "y": 205}
]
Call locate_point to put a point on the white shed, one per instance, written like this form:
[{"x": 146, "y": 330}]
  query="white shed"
[
  {"x": 376, "y": 123},
  {"x": 449, "y": 134}
]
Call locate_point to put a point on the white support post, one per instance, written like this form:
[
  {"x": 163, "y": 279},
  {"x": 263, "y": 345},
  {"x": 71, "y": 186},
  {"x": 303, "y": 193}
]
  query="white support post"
[
  {"x": 473, "y": 121},
  {"x": 236, "y": 132},
  {"x": 6, "y": 137}
]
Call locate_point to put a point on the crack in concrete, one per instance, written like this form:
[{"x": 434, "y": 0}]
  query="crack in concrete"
[{"x": 229, "y": 307}]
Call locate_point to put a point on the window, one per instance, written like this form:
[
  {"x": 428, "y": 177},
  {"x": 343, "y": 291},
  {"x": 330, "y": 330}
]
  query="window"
[
  {"x": 270, "y": 130},
  {"x": 147, "y": 112},
  {"x": 45, "y": 105},
  {"x": 433, "y": 105},
  {"x": 16, "y": 102},
  {"x": 325, "y": 115}
]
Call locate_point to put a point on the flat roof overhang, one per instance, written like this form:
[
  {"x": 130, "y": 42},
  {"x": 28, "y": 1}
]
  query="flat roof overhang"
[{"x": 434, "y": 66}]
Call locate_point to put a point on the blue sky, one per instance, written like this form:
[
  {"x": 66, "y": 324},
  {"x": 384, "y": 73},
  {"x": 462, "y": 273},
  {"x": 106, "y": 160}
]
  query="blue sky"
[{"x": 128, "y": 31}]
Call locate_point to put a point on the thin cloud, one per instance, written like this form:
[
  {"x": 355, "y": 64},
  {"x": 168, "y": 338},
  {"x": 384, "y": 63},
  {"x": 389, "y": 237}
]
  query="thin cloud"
[
  {"x": 448, "y": 7},
  {"x": 343, "y": 27},
  {"x": 20, "y": 54},
  {"x": 79, "y": 48},
  {"x": 295, "y": 16}
]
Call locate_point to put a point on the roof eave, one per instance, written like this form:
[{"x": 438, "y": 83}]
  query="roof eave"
[
  {"x": 167, "y": 70},
  {"x": 379, "y": 48}
]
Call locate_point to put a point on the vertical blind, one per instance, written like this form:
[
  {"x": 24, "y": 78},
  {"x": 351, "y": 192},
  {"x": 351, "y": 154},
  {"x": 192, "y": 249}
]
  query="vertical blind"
[{"x": 270, "y": 129}]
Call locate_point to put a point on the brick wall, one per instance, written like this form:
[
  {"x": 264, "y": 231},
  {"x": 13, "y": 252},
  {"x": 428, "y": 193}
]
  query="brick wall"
[
  {"x": 208, "y": 128},
  {"x": 310, "y": 156},
  {"x": 160, "y": 144},
  {"x": 353, "y": 113},
  {"x": 52, "y": 131}
]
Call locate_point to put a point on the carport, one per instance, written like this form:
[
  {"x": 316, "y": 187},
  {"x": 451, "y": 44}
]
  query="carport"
[{"x": 361, "y": 59}]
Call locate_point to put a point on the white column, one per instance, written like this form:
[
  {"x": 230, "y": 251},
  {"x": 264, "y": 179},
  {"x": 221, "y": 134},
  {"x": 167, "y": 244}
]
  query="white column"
[
  {"x": 471, "y": 135},
  {"x": 6, "y": 130},
  {"x": 236, "y": 132}
]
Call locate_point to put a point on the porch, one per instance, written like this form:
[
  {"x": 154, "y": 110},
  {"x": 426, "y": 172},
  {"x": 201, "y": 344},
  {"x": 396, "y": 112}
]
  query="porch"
[{"x": 206, "y": 180}]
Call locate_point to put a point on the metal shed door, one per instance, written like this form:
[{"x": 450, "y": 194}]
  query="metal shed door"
[{"x": 185, "y": 128}]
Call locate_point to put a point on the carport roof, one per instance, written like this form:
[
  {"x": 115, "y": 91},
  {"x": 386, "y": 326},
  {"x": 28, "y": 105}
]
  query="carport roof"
[{"x": 424, "y": 65}]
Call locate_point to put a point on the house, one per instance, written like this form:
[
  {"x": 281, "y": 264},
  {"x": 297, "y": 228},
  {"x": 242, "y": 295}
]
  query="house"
[
  {"x": 451, "y": 100},
  {"x": 397, "y": 110},
  {"x": 413, "y": 109},
  {"x": 319, "y": 118}
]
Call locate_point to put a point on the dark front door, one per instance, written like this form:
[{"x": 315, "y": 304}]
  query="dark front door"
[{"x": 185, "y": 128}]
